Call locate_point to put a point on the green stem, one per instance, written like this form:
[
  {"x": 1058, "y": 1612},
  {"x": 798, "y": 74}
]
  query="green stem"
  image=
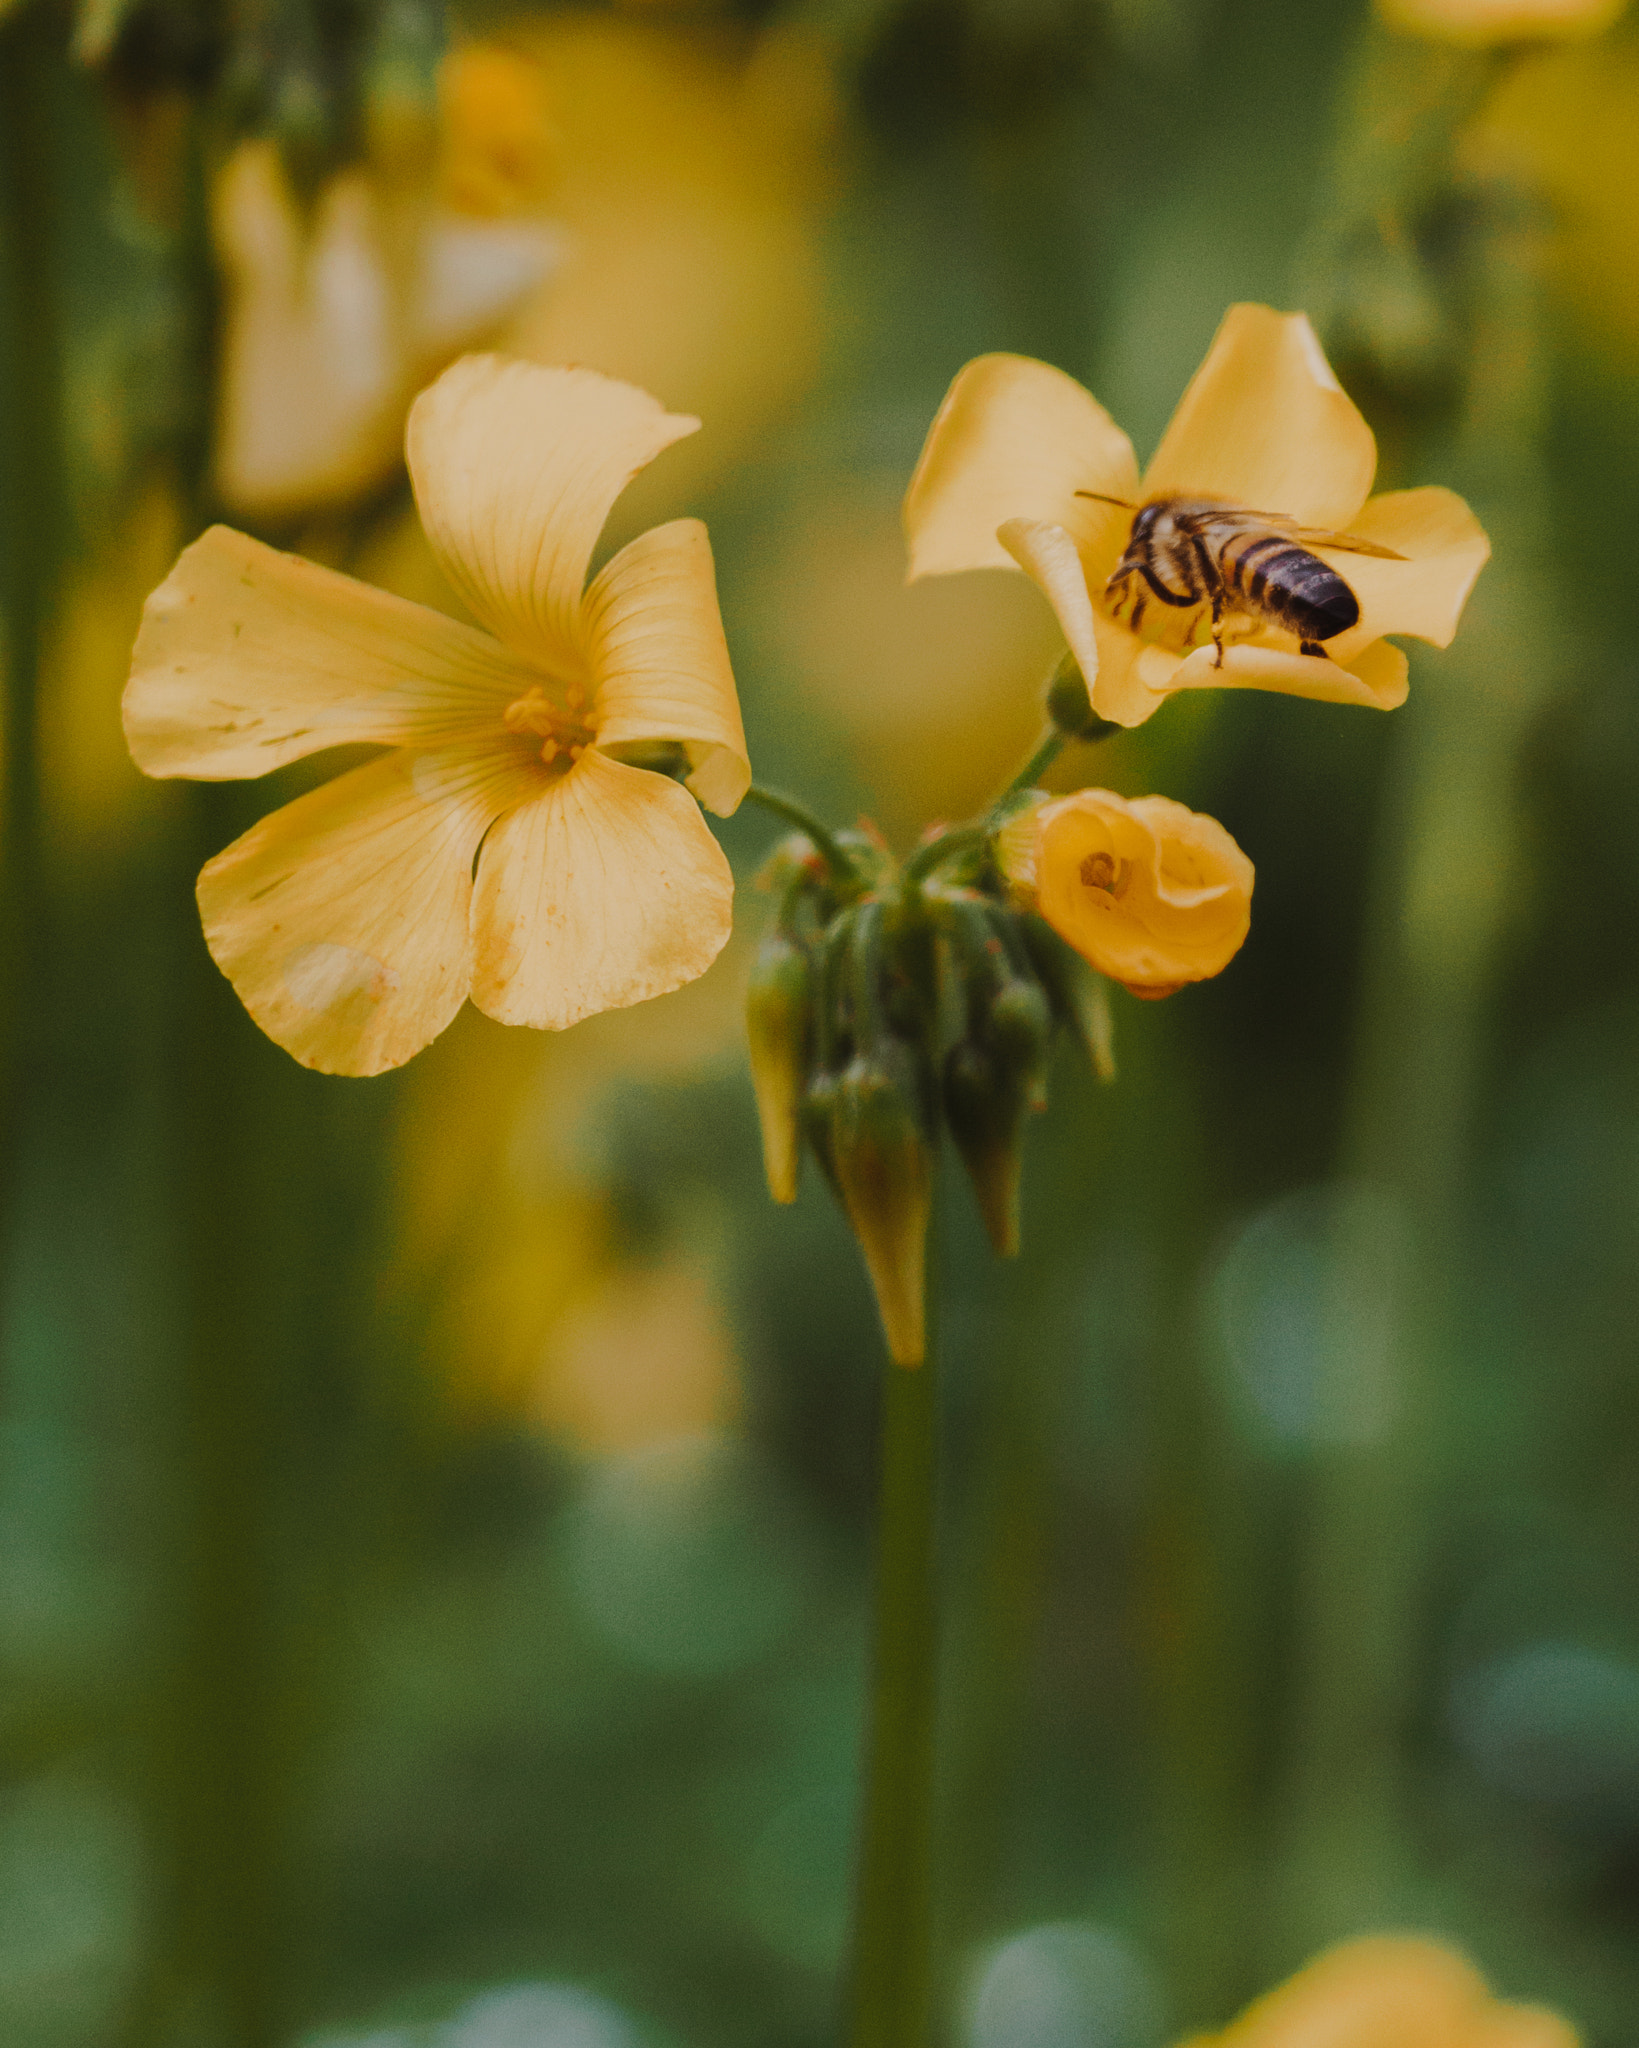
[
  {"x": 795, "y": 813},
  {"x": 891, "y": 1990},
  {"x": 33, "y": 533},
  {"x": 1052, "y": 745}
]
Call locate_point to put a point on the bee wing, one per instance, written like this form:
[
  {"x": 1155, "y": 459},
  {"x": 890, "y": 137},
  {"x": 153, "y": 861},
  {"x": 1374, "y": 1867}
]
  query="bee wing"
[
  {"x": 1323, "y": 537},
  {"x": 1283, "y": 523}
]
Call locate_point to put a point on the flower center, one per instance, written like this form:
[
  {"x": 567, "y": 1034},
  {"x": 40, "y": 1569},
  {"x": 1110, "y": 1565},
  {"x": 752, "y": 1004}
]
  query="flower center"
[
  {"x": 562, "y": 727},
  {"x": 1104, "y": 872}
]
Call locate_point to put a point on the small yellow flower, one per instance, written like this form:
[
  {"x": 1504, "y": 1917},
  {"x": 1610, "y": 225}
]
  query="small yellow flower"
[
  {"x": 351, "y": 922},
  {"x": 500, "y": 147},
  {"x": 1476, "y": 22},
  {"x": 1390, "y": 1991},
  {"x": 1264, "y": 425},
  {"x": 1153, "y": 894}
]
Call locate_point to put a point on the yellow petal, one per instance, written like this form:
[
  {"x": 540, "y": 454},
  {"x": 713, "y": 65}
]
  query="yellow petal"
[
  {"x": 660, "y": 668},
  {"x": 1391, "y": 1988},
  {"x": 1265, "y": 423},
  {"x": 342, "y": 920},
  {"x": 249, "y": 658},
  {"x": 1445, "y": 548},
  {"x": 1133, "y": 675},
  {"x": 1047, "y": 555},
  {"x": 1014, "y": 440},
  {"x": 605, "y": 890},
  {"x": 1375, "y": 677},
  {"x": 515, "y": 467}
]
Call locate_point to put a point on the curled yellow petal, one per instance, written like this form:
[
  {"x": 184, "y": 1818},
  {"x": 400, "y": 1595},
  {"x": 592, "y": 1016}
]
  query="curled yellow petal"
[
  {"x": 515, "y": 467},
  {"x": 1266, "y": 424},
  {"x": 248, "y": 658},
  {"x": 1014, "y": 440},
  {"x": 342, "y": 920},
  {"x": 1153, "y": 894},
  {"x": 603, "y": 890},
  {"x": 658, "y": 660},
  {"x": 1048, "y": 555},
  {"x": 1377, "y": 676}
]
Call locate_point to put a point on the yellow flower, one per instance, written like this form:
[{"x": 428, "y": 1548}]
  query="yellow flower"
[
  {"x": 351, "y": 922},
  {"x": 1476, "y": 22},
  {"x": 1153, "y": 894},
  {"x": 500, "y": 145},
  {"x": 1264, "y": 425},
  {"x": 1390, "y": 1991}
]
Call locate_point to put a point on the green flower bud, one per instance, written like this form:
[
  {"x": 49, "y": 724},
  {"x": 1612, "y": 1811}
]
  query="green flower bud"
[
  {"x": 1070, "y": 704},
  {"x": 884, "y": 1171},
  {"x": 780, "y": 1032},
  {"x": 984, "y": 1110},
  {"x": 1019, "y": 1030}
]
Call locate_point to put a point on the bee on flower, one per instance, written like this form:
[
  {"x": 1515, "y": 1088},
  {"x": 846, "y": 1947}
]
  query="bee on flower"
[
  {"x": 1249, "y": 554},
  {"x": 502, "y": 848}
]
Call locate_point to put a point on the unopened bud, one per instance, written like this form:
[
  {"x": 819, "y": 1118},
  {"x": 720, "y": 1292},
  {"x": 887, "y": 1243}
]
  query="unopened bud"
[
  {"x": 1020, "y": 1030},
  {"x": 884, "y": 1171},
  {"x": 985, "y": 1113},
  {"x": 779, "y": 1028},
  {"x": 1070, "y": 704}
]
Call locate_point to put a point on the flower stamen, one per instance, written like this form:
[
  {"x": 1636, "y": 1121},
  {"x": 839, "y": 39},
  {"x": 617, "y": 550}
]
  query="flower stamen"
[
  {"x": 1103, "y": 871},
  {"x": 559, "y": 727}
]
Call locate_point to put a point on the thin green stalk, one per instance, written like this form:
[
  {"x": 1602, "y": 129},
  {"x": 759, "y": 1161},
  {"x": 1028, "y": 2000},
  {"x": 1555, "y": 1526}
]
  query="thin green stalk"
[
  {"x": 798, "y": 814},
  {"x": 1053, "y": 743},
  {"x": 33, "y": 535},
  {"x": 892, "y": 1978}
]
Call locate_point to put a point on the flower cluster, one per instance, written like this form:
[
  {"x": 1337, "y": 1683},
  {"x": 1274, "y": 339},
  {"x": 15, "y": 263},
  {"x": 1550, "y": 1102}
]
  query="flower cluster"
[{"x": 532, "y": 838}]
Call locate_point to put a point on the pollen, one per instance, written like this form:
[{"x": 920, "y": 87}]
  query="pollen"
[
  {"x": 558, "y": 725},
  {"x": 1103, "y": 871}
]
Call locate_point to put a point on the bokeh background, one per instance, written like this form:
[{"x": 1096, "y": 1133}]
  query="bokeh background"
[{"x": 435, "y": 1511}]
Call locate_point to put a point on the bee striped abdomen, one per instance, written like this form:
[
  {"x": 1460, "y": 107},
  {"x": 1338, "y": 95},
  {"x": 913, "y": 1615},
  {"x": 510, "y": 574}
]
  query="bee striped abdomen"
[{"x": 1295, "y": 588}]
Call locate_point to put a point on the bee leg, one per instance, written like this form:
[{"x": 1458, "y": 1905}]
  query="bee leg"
[
  {"x": 1313, "y": 647},
  {"x": 1218, "y": 628}
]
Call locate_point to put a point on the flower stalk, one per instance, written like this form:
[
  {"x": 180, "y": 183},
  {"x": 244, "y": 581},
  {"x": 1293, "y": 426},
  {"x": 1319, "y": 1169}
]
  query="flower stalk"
[{"x": 891, "y": 1987}]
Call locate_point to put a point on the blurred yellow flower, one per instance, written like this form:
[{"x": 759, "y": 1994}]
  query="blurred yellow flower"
[
  {"x": 1154, "y": 895},
  {"x": 351, "y": 922},
  {"x": 1477, "y": 22},
  {"x": 500, "y": 145},
  {"x": 1017, "y": 446},
  {"x": 1390, "y": 1991},
  {"x": 332, "y": 323}
]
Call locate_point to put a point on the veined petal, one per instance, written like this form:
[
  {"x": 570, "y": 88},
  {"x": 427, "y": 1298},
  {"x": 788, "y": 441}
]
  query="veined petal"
[
  {"x": 249, "y": 658},
  {"x": 654, "y": 643},
  {"x": 1265, "y": 423},
  {"x": 1048, "y": 556},
  {"x": 1375, "y": 677},
  {"x": 515, "y": 467},
  {"x": 342, "y": 920},
  {"x": 606, "y": 889},
  {"x": 1445, "y": 548},
  {"x": 1014, "y": 440}
]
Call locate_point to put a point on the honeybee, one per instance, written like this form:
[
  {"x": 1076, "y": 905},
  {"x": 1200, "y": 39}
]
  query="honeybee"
[{"x": 1194, "y": 553}]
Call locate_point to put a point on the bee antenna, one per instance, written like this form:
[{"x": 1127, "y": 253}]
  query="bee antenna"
[{"x": 1126, "y": 504}]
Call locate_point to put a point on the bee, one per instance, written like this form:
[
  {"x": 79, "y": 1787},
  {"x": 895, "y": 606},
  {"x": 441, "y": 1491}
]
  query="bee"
[{"x": 1195, "y": 553}]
